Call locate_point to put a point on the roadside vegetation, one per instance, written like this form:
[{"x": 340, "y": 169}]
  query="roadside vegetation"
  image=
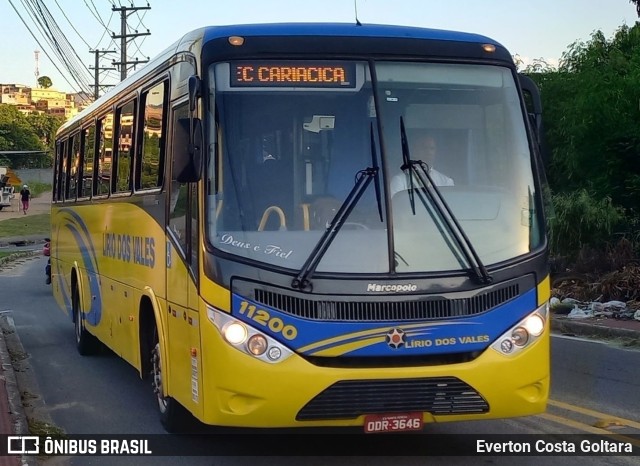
[
  {"x": 32, "y": 224},
  {"x": 592, "y": 140},
  {"x": 38, "y": 188},
  {"x": 38, "y": 224}
]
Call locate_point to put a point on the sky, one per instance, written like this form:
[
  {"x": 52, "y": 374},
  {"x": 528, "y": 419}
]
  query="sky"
[{"x": 529, "y": 29}]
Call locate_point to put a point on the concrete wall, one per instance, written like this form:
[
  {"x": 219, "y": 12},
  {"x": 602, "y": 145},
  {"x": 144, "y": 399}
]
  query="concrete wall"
[{"x": 35, "y": 175}]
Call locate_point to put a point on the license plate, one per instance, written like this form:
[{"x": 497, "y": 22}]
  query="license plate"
[{"x": 397, "y": 422}]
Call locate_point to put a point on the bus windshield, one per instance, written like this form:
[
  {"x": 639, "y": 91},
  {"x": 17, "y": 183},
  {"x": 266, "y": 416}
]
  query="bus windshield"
[{"x": 292, "y": 138}]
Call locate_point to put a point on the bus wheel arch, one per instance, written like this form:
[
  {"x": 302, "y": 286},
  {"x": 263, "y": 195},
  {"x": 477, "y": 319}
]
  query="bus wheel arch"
[
  {"x": 86, "y": 344},
  {"x": 147, "y": 328},
  {"x": 173, "y": 416}
]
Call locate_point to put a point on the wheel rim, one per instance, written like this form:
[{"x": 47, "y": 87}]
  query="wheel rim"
[{"x": 157, "y": 379}]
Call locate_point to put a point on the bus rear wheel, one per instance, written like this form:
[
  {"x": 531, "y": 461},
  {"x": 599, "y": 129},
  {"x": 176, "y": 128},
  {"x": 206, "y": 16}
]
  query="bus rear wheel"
[
  {"x": 173, "y": 416},
  {"x": 86, "y": 343}
]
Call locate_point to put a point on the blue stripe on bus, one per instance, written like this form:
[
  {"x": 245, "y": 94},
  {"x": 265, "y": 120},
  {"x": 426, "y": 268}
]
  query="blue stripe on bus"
[
  {"x": 90, "y": 262},
  {"x": 313, "y": 337}
]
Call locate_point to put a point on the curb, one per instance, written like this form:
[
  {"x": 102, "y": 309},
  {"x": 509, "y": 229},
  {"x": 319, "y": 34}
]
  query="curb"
[
  {"x": 18, "y": 255},
  {"x": 18, "y": 413},
  {"x": 573, "y": 328}
]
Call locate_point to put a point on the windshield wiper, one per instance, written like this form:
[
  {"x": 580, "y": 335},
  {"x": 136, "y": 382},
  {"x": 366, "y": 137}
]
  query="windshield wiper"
[
  {"x": 420, "y": 170},
  {"x": 363, "y": 178}
]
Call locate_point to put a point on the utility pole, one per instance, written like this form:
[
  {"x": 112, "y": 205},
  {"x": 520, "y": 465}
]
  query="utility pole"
[
  {"x": 97, "y": 68},
  {"x": 125, "y": 11},
  {"x": 37, "y": 73}
]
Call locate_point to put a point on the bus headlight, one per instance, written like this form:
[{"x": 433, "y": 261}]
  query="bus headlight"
[
  {"x": 524, "y": 333},
  {"x": 534, "y": 324},
  {"x": 235, "y": 333},
  {"x": 247, "y": 339}
]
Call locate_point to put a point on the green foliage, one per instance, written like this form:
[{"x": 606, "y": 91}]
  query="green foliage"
[
  {"x": 45, "y": 127},
  {"x": 45, "y": 82},
  {"x": 33, "y": 132},
  {"x": 27, "y": 225},
  {"x": 15, "y": 131},
  {"x": 591, "y": 106},
  {"x": 37, "y": 188},
  {"x": 591, "y": 112},
  {"x": 581, "y": 221}
]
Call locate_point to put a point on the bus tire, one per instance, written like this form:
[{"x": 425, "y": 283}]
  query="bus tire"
[
  {"x": 173, "y": 416},
  {"x": 86, "y": 344}
]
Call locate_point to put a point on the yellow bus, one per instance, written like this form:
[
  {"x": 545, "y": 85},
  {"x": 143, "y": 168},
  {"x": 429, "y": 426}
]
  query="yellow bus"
[{"x": 252, "y": 222}]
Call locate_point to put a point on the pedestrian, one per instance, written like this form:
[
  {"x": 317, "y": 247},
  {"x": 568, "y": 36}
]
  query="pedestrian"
[{"x": 25, "y": 195}]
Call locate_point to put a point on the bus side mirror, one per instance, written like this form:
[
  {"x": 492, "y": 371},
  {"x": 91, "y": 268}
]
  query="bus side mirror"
[
  {"x": 187, "y": 150},
  {"x": 194, "y": 92},
  {"x": 533, "y": 104}
]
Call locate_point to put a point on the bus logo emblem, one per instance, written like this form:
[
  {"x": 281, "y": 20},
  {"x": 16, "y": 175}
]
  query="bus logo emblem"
[{"x": 396, "y": 338}]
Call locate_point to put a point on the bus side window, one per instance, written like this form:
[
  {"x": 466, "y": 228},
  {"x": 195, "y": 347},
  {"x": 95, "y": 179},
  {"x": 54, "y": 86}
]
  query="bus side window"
[
  {"x": 88, "y": 154},
  {"x": 104, "y": 155},
  {"x": 178, "y": 195},
  {"x": 178, "y": 213},
  {"x": 74, "y": 167},
  {"x": 125, "y": 147},
  {"x": 58, "y": 178},
  {"x": 150, "y": 163}
]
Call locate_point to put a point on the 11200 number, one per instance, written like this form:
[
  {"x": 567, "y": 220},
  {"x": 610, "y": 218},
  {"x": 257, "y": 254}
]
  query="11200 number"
[{"x": 262, "y": 317}]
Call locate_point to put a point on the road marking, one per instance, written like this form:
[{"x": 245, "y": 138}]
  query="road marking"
[
  {"x": 592, "y": 413},
  {"x": 587, "y": 428}
]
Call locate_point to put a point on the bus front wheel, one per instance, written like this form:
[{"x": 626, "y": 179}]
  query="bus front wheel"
[{"x": 172, "y": 415}]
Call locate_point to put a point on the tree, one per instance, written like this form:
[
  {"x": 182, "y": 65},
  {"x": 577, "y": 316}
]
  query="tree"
[
  {"x": 637, "y": 4},
  {"x": 591, "y": 118},
  {"x": 45, "y": 127},
  {"x": 45, "y": 82},
  {"x": 16, "y": 134}
]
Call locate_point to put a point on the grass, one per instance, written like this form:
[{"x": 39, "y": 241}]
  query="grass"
[
  {"x": 29, "y": 225},
  {"x": 36, "y": 188}
]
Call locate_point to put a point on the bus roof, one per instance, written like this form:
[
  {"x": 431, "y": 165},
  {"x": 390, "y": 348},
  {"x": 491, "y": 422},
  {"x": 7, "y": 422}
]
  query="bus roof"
[{"x": 342, "y": 29}]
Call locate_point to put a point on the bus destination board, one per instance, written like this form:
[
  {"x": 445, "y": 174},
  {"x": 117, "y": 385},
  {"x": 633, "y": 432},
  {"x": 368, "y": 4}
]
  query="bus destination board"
[{"x": 293, "y": 74}]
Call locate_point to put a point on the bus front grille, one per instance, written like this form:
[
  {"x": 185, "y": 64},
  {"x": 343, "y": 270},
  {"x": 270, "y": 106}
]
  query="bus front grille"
[
  {"x": 349, "y": 399},
  {"x": 385, "y": 310}
]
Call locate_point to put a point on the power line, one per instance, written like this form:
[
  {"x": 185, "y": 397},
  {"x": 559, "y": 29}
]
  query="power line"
[
  {"x": 43, "y": 48},
  {"x": 71, "y": 24},
  {"x": 57, "y": 39},
  {"x": 96, "y": 15}
]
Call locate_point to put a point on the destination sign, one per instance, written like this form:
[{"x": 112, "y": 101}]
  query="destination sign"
[{"x": 293, "y": 74}]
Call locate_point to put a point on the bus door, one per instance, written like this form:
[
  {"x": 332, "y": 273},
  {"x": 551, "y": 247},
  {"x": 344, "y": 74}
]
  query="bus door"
[{"x": 183, "y": 339}]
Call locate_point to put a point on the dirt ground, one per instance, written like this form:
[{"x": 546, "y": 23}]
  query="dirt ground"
[{"x": 37, "y": 205}]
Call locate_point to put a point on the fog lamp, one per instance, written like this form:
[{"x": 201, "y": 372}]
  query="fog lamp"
[
  {"x": 506, "y": 346},
  {"x": 274, "y": 353}
]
